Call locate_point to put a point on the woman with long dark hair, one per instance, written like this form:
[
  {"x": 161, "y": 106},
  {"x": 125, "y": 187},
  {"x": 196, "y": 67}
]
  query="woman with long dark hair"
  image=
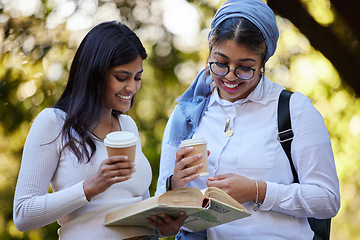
[{"x": 65, "y": 146}]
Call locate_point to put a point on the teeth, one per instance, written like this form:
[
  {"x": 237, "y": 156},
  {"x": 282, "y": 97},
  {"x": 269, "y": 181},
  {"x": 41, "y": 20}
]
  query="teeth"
[
  {"x": 124, "y": 97},
  {"x": 231, "y": 85}
]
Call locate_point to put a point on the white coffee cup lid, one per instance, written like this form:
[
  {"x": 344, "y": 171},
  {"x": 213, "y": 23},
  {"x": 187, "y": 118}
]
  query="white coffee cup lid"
[
  {"x": 120, "y": 139},
  {"x": 194, "y": 141}
]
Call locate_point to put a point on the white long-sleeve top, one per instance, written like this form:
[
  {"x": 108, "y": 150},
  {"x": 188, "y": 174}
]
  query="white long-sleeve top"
[
  {"x": 254, "y": 152},
  {"x": 44, "y": 163}
]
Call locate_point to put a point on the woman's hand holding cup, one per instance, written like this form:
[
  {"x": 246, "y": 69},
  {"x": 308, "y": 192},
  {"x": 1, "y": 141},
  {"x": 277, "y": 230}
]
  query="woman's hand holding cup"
[
  {"x": 112, "y": 170},
  {"x": 190, "y": 163},
  {"x": 119, "y": 167}
]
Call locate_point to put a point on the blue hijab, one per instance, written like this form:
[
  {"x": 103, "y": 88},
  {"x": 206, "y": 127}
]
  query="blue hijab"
[
  {"x": 194, "y": 101},
  {"x": 257, "y": 12}
]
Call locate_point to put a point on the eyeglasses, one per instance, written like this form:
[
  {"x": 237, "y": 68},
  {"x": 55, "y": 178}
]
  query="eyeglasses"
[{"x": 221, "y": 70}]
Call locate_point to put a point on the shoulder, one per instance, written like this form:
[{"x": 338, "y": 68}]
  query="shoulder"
[
  {"x": 299, "y": 97},
  {"x": 47, "y": 125},
  {"x": 298, "y": 101},
  {"x": 127, "y": 123},
  {"x": 50, "y": 116},
  {"x": 301, "y": 103},
  {"x": 304, "y": 113}
]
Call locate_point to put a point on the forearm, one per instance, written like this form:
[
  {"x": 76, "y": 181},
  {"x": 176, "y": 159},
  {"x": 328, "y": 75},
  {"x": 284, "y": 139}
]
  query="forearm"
[
  {"x": 39, "y": 210},
  {"x": 300, "y": 200}
]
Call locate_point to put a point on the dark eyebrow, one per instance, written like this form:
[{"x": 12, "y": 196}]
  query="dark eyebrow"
[
  {"x": 240, "y": 60},
  {"x": 126, "y": 72}
]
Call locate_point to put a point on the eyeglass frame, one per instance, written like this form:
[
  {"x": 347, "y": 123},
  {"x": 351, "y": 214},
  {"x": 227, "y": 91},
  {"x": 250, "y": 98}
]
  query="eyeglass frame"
[{"x": 210, "y": 63}]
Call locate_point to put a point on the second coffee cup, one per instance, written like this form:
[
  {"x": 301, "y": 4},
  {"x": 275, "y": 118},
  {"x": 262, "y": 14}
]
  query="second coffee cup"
[
  {"x": 200, "y": 146},
  {"x": 121, "y": 143}
]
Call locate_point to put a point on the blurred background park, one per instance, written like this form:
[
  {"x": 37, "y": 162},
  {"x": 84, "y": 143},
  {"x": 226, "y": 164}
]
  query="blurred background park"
[{"x": 318, "y": 54}]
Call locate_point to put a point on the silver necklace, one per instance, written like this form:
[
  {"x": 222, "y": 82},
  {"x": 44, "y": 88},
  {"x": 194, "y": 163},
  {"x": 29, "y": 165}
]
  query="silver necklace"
[{"x": 228, "y": 131}]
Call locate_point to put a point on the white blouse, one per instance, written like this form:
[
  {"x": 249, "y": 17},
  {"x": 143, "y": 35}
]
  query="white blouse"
[
  {"x": 254, "y": 152},
  {"x": 44, "y": 163}
]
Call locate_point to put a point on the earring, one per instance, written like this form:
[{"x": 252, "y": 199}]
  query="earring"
[{"x": 261, "y": 72}]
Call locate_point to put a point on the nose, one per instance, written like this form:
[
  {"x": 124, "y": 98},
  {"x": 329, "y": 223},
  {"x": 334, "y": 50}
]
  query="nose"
[
  {"x": 231, "y": 74},
  {"x": 131, "y": 85}
]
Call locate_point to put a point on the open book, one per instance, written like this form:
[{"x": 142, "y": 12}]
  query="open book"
[{"x": 207, "y": 208}]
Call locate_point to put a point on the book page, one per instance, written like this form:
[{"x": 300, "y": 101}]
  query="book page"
[
  {"x": 220, "y": 195},
  {"x": 182, "y": 197}
]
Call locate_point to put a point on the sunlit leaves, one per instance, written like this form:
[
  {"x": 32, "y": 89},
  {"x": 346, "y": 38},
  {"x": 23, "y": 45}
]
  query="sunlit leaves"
[
  {"x": 320, "y": 10},
  {"x": 36, "y": 52}
]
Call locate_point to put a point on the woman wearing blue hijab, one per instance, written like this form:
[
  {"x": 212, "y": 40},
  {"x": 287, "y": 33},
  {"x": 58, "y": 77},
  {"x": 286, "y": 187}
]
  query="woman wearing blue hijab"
[{"x": 234, "y": 107}]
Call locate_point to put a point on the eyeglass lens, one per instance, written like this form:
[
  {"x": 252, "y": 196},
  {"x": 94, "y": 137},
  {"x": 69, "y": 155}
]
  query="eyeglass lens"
[{"x": 222, "y": 70}]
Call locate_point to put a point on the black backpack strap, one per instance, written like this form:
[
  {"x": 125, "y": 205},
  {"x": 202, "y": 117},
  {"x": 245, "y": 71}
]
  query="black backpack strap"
[
  {"x": 286, "y": 134},
  {"x": 321, "y": 227}
]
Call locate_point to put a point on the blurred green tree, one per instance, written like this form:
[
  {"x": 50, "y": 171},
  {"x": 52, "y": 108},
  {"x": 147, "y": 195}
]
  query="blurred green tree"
[{"x": 37, "y": 48}]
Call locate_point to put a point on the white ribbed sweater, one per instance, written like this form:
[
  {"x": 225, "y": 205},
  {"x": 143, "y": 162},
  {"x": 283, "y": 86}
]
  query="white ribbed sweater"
[{"x": 43, "y": 163}]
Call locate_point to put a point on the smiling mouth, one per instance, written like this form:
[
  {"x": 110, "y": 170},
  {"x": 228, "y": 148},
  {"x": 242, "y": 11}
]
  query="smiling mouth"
[
  {"x": 231, "y": 85},
  {"x": 124, "y": 97}
]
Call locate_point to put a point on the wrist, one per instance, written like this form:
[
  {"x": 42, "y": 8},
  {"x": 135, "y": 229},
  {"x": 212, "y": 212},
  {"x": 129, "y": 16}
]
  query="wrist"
[
  {"x": 262, "y": 191},
  {"x": 256, "y": 200},
  {"x": 158, "y": 233},
  {"x": 89, "y": 193}
]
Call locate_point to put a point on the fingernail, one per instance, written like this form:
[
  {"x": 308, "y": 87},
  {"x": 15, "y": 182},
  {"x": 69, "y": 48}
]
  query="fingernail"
[
  {"x": 199, "y": 155},
  {"x": 201, "y": 165},
  {"x": 190, "y": 148}
]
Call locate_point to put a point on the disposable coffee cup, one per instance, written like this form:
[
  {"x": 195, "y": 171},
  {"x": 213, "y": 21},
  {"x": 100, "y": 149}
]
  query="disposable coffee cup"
[
  {"x": 200, "y": 146},
  {"x": 121, "y": 143}
]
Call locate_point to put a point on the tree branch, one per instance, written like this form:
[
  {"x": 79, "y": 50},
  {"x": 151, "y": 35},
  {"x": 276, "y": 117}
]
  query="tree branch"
[{"x": 322, "y": 39}]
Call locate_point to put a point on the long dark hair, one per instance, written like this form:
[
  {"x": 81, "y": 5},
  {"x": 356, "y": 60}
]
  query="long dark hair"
[
  {"x": 243, "y": 32},
  {"x": 107, "y": 45}
]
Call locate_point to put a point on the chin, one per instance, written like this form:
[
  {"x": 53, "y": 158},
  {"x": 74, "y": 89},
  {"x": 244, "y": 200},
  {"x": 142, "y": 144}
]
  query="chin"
[{"x": 122, "y": 108}]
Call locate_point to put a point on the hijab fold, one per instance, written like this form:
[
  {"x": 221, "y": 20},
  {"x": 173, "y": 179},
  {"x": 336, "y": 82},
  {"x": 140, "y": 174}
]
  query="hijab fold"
[{"x": 190, "y": 109}]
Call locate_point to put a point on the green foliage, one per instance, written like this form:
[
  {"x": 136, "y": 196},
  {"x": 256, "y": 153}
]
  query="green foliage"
[{"x": 34, "y": 65}]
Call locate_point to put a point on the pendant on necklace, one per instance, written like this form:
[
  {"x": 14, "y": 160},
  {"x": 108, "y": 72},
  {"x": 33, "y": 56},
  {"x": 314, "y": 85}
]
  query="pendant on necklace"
[{"x": 228, "y": 132}]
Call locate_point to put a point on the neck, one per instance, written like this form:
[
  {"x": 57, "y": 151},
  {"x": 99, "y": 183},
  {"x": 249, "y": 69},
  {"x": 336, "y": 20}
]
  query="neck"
[{"x": 106, "y": 125}]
